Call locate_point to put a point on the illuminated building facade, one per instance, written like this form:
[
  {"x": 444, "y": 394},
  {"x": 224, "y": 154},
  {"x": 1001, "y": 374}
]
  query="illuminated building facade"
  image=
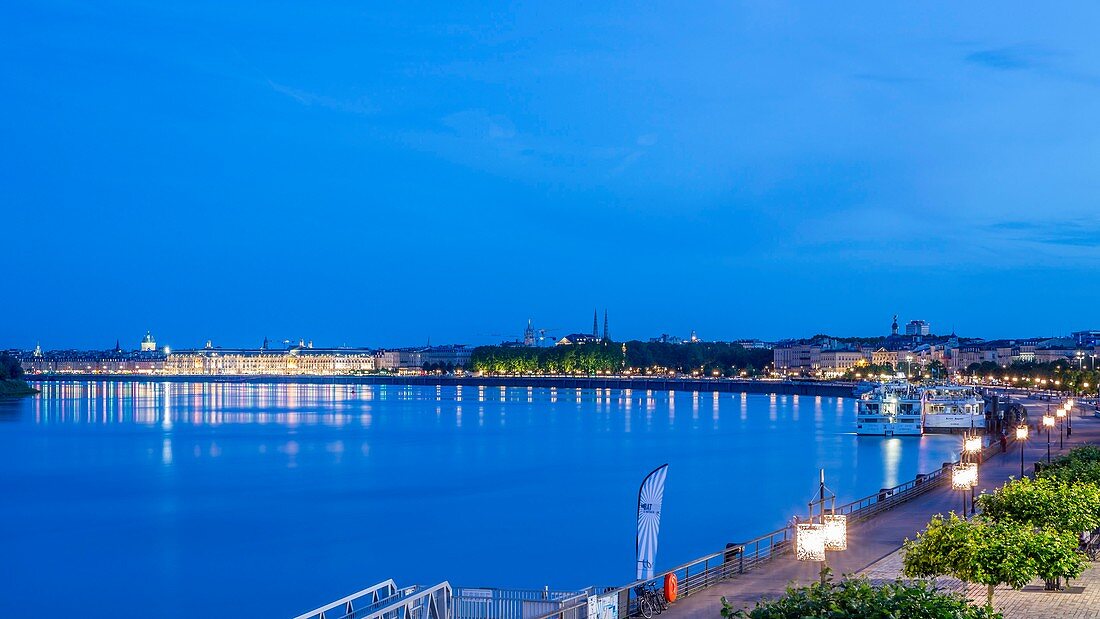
[{"x": 262, "y": 361}]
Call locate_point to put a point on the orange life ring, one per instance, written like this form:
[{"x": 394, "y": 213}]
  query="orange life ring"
[{"x": 672, "y": 587}]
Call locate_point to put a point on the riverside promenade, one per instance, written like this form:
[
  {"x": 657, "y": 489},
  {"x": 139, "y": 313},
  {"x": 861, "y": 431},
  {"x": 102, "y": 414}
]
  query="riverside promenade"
[{"x": 878, "y": 539}]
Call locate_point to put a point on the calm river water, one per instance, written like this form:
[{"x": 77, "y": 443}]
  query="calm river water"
[{"x": 211, "y": 499}]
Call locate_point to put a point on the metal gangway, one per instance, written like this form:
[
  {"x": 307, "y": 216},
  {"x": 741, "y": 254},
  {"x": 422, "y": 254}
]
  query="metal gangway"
[{"x": 386, "y": 601}]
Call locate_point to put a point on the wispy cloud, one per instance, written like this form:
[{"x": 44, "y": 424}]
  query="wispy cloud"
[
  {"x": 1015, "y": 58},
  {"x": 883, "y": 78},
  {"x": 354, "y": 106},
  {"x": 1070, "y": 233},
  {"x": 1041, "y": 61}
]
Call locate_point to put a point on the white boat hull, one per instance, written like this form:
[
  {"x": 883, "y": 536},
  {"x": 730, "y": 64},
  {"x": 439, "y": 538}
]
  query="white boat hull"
[
  {"x": 887, "y": 428},
  {"x": 953, "y": 423}
]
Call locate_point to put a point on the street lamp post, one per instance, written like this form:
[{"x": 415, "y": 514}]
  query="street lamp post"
[
  {"x": 1021, "y": 436},
  {"x": 1060, "y": 415},
  {"x": 812, "y": 539},
  {"x": 972, "y": 446},
  {"x": 964, "y": 475},
  {"x": 1048, "y": 423}
]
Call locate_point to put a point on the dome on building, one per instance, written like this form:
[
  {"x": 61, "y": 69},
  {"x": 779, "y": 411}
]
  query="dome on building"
[{"x": 148, "y": 343}]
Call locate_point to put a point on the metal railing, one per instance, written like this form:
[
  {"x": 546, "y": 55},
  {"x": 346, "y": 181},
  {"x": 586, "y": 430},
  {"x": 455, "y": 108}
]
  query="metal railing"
[
  {"x": 711, "y": 569},
  {"x": 413, "y": 603},
  {"x": 376, "y": 595},
  {"x": 888, "y": 498},
  {"x": 490, "y": 603}
]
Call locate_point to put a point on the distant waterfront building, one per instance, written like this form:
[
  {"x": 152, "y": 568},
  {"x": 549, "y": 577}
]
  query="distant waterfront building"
[
  {"x": 148, "y": 343},
  {"x": 917, "y": 327},
  {"x": 529, "y": 335},
  {"x": 1086, "y": 339},
  {"x": 452, "y": 356},
  {"x": 837, "y": 361},
  {"x": 395, "y": 359},
  {"x": 299, "y": 360},
  {"x": 93, "y": 362},
  {"x": 747, "y": 344},
  {"x": 796, "y": 357},
  {"x": 577, "y": 338},
  {"x": 584, "y": 338}
]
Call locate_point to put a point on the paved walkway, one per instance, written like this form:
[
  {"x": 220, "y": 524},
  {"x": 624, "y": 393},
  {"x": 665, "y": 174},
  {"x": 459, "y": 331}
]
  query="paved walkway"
[
  {"x": 1081, "y": 600},
  {"x": 879, "y": 537}
]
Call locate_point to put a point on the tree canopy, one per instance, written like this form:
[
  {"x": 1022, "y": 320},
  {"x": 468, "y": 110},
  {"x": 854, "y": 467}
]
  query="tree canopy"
[
  {"x": 702, "y": 358},
  {"x": 1056, "y": 376},
  {"x": 10, "y": 367},
  {"x": 1080, "y": 465},
  {"x": 1046, "y": 503},
  {"x": 991, "y": 553}
]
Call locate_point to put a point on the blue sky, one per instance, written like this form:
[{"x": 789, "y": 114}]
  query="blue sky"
[{"x": 382, "y": 174}]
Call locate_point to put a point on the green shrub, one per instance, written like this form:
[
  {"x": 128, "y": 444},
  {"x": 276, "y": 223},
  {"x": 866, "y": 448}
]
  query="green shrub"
[
  {"x": 1048, "y": 502},
  {"x": 854, "y": 598}
]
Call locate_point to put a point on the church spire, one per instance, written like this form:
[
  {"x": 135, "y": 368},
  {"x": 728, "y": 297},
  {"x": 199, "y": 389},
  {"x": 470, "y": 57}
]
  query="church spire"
[
  {"x": 595, "y": 323},
  {"x": 606, "y": 333}
]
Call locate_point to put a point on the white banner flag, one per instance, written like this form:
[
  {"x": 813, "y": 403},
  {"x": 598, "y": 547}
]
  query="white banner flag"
[{"x": 650, "y": 497}]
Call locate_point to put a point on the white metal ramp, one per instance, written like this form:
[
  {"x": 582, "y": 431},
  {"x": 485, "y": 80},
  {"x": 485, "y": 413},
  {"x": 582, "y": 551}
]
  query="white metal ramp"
[{"x": 386, "y": 601}]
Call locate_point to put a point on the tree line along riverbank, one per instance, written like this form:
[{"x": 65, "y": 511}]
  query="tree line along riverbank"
[
  {"x": 11, "y": 378},
  {"x": 607, "y": 357}
]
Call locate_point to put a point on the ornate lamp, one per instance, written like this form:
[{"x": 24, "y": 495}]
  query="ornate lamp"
[
  {"x": 836, "y": 531},
  {"x": 1021, "y": 436},
  {"x": 972, "y": 444},
  {"x": 810, "y": 542},
  {"x": 1048, "y": 421},
  {"x": 1060, "y": 413},
  {"x": 964, "y": 476}
]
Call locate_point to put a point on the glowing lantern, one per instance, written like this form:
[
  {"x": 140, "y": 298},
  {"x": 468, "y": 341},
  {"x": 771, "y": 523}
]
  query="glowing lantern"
[
  {"x": 1048, "y": 421},
  {"x": 1021, "y": 433},
  {"x": 964, "y": 476},
  {"x": 836, "y": 531},
  {"x": 810, "y": 542},
  {"x": 973, "y": 444}
]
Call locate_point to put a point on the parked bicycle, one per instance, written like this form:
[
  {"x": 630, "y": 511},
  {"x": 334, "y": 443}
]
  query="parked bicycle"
[{"x": 650, "y": 600}]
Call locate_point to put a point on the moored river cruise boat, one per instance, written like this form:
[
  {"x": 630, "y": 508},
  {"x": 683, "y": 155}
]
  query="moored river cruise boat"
[
  {"x": 952, "y": 409},
  {"x": 890, "y": 409}
]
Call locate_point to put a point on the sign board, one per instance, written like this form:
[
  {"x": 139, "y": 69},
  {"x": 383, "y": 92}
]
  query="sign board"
[{"x": 603, "y": 606}]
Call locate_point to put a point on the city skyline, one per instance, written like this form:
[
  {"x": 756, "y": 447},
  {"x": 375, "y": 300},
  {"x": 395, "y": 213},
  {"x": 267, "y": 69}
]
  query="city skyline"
[
  {"x": 388, "y": 174},
  {"x": 542, "y": 337}
]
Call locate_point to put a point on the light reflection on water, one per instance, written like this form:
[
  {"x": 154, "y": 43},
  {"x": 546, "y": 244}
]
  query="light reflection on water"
[{"x": 290, "y": 495}]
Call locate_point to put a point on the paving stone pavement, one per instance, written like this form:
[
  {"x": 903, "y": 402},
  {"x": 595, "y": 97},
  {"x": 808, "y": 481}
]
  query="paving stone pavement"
[{"x": 1032, "y": 602}]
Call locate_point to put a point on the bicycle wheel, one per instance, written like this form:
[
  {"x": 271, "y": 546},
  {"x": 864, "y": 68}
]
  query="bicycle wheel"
[{"x": 646, "y": 607}]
